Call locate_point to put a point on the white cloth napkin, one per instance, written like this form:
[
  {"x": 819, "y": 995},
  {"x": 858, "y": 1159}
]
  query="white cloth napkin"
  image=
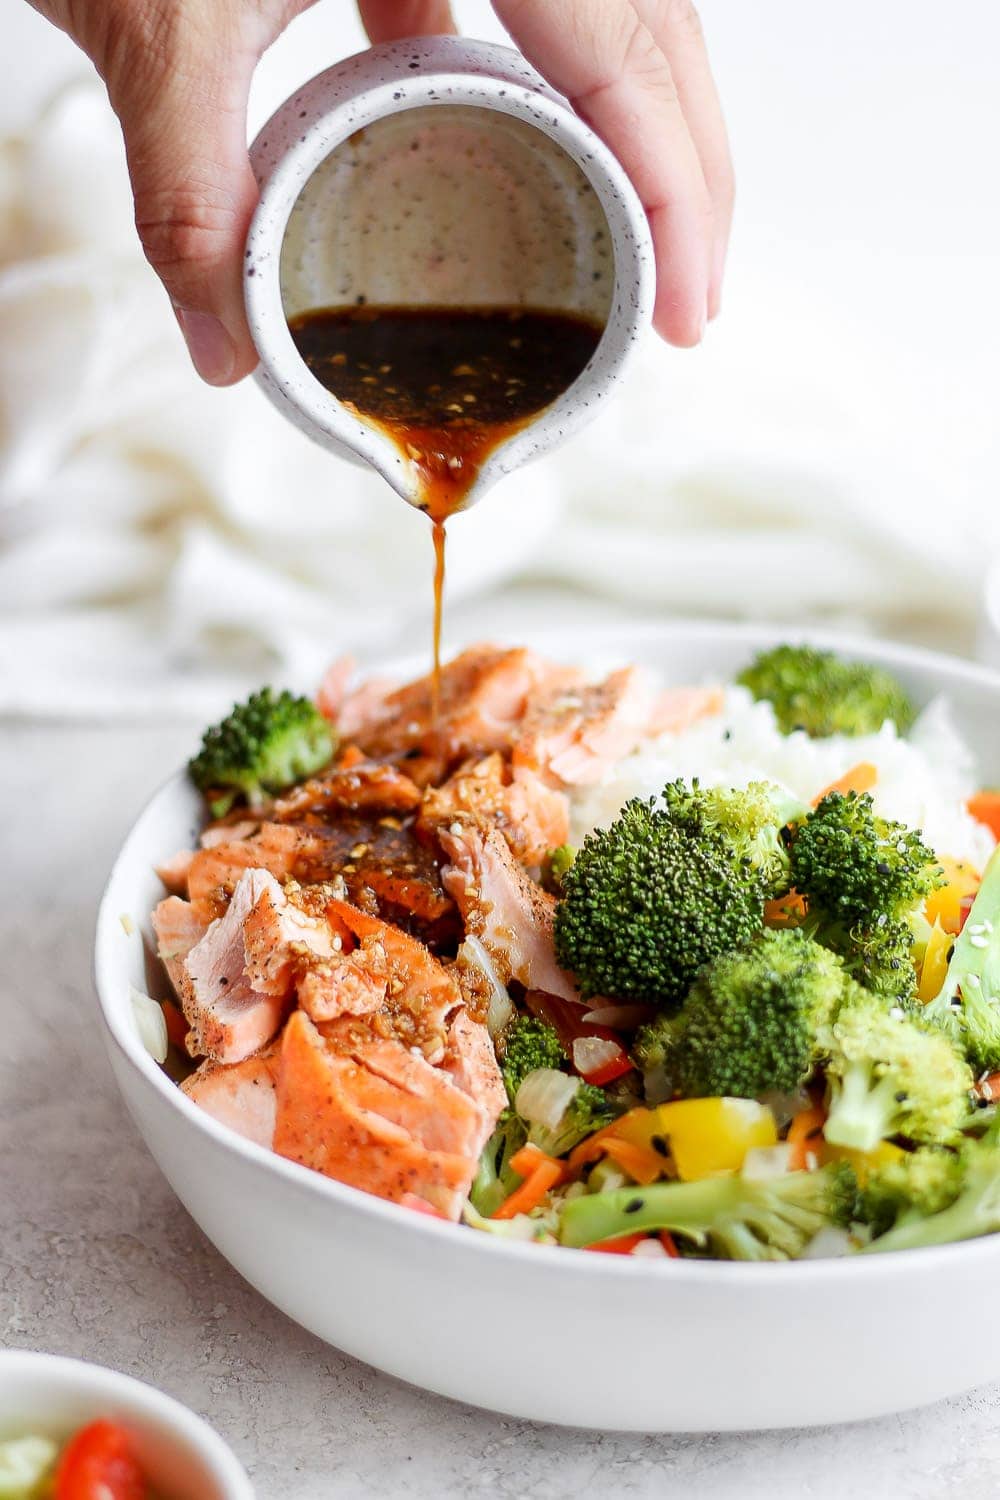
[{"x": 163, "y": 547}]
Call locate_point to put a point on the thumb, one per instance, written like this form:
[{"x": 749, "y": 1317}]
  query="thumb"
[{"x": 195, "y": 192}]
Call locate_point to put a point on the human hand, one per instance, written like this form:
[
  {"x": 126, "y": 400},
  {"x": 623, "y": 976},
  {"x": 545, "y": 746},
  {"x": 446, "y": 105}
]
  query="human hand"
[{"x": 178, "y": 76}]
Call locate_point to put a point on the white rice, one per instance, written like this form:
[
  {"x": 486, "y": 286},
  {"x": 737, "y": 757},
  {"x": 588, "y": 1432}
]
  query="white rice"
[{"x": 923, "y": 780}]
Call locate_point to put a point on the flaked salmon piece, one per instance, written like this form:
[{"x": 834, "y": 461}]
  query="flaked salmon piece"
[
  {"x": 355, "y": 788},
  {"x": 420, "y": 994},
  {"x": 484, "y": 693},
  {"x": 281, "y": 941},
  {"x": 228, "y": 831},
  {"x": 365, "y": 706},
  {"x": 425, "y": 1101},
  {"x": 174, "y": 871},
  {"x": 347, "y": 984},
  {"x": 678, "y": 708},
  {"x": 532, "y": 817},
  {"x": 229, "y": 1019},
  {"x": 333, "y": 688},
  {"x": 241, "y": 1096},
  {"x": 329, "y": 1118},
  {"x": 178, "y": 928},
  {"x": 382, "y": 865},
  {"x": 574, "y": 737},
  {"x": 470, "y": 1060},
  {"x": 508, "y": 911},
  {"x": 215, "y": 872}
]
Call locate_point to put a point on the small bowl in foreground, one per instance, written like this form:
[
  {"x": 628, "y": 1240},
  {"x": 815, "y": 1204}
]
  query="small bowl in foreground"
[{"x": 182, "y": 1457}]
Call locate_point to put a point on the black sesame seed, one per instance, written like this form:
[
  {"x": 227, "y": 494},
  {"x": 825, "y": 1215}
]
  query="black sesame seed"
[
  {"x": 659, "y": 1145},
  {"x": 633, "y": 1205}
]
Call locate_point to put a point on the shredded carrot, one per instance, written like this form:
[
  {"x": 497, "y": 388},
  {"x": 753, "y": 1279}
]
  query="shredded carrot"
[
  {"x": 643, "y": 1165},
  {"x": 669, "y": 1244},
  {"x": 593, "y": 1148},
  {"x": 529, "y": 1158},
  {"x": 785, "y": 911},
  {"x": 530, "y": 1194},
  {"x": 623, "y": 1245},
  {"x": 985, "y": 808},
  {"x": 807, "y": 1124},
  {"x": 177, "y": 1027},
  {"x": 860, "y": 778}
]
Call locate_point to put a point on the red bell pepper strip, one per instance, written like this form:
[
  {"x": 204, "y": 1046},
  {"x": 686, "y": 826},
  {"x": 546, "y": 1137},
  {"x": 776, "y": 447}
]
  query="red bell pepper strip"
[{"x": 566, "y": 1017}]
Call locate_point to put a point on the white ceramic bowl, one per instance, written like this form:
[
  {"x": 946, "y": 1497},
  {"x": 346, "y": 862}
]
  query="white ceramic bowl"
[
  {"x": 558, "y": 1335},
  {"x": 183, "y": 1458}
]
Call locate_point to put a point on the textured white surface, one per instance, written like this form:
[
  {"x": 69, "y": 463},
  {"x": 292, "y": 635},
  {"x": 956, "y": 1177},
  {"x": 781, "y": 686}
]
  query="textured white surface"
[{"x": 97, "y": 1259}]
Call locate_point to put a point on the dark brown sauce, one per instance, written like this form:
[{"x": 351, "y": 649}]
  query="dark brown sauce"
[{"x": 447, "y": 384}]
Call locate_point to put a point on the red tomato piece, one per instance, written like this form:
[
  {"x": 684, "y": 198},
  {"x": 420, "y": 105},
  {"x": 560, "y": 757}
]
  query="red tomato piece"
[{"x": 99, "y": 1464}]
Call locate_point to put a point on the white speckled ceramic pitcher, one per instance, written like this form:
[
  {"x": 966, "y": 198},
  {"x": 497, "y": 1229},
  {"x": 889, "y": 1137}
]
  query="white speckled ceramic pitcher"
[{"x": 440, "y": 172}]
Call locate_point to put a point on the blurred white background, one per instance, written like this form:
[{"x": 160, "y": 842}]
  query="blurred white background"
[{"x": 831, "y": 452}]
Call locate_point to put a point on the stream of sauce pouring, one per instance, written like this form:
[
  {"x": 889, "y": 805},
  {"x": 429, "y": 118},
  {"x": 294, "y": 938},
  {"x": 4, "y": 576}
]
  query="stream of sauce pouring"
[{"x": 448, "y": 385}]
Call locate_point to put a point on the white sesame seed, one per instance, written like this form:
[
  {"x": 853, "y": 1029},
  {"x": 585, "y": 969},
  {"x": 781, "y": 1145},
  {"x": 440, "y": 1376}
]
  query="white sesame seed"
[
  {"x": 897, "y": 1012},
  {"x": 455, "y": 829},
  {"x": 979, "y": 942}
]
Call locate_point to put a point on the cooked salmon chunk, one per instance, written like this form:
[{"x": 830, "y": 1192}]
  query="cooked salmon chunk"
[
  {"x": 420, "y": 993},
  {"x": 177, "y": 927},
  {"x": 337, "y": 1116},
  {"x": 678, "y": 708},
  {"x": 216, "y": 871},
  {"x": 471, "y": 1061},
  {"x": 484, "y": 693},
  {"x": 502, "y": 906},
  {"x": 229, "y": 1019},
  {"x": 174, "y": 871},
  {"x": 532, "y": 817},
  {"x": 353, "y": 788},
  {"x": 241, "y": 1096},
  {"x": 573, "y": 737},
  {"x": 347, "y": 984}
]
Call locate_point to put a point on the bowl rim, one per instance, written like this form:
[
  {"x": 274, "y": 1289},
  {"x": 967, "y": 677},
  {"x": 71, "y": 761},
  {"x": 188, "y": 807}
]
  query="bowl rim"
[
  {"x": 565, "y": 1260},
  {"x": 83, "y": 1377}
]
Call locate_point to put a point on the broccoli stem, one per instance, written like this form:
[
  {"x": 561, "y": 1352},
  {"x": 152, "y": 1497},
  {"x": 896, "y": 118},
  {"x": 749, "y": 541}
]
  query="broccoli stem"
[
  {"x": 690, "y": 1208},
  {"x": 973, "y": 1214},
  {"x": 863, "y": 1110}
]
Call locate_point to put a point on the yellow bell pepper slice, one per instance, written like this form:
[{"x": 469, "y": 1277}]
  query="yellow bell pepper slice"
[
  {"x": 944, "y": 906},
  {"x": 702, "y": 1136},
  {"x": 935, "y": 964}
]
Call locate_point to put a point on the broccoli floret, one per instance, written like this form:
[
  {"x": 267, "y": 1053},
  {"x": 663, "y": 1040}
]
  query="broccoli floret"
[
  {"x": 648, "y": 900},
  {"x": 738, "y": 1218},
  {"x": 890, "y": 1073},
  {"x": 880, "y": 958},
  {"x": 865, "y": 879},
  {"x": 560, "y": 1111},
  {"x": 915, "y": 1185},
  {"x": 495, "y": 1178},
  {"x": 860, "y": 868},
  {"x": 821, "y": 693},
  {"x": 554, "y": 867},
  {"x": 750, "y": 820},
  {"x": 263, "y": 746},
  {"x": 524, "y": 1045},
  {"x": 968, "y": 1007},
  {"x": 958, "y": 1202},
  {"x": 752, "y": 1022}
]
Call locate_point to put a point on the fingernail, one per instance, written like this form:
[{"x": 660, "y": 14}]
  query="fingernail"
[{"x": 210, "y": 347}]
